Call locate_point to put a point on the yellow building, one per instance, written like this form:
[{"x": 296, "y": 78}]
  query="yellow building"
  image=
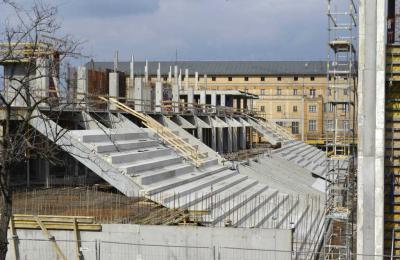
[{"x": 291, "y": 93}]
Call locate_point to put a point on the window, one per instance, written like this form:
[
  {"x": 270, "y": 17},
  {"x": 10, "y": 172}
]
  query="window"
[
  {"x": 312, "y": 109},
  {"x": 246, "y": 78},
  {"x": 278, "y": 91},
  {"x": 312, "y": 78},
  {"x": 346, "y": 107},
  {"x": 345, "y": 92},
  {"x": 278, "y": 109},
  {"x": 262, "y": 91},
  {"x": 279, "y": 123},
  {"x": 346, "y": 125},
  {"x": 295, "y": 128},
  {"x": 312, "y": 125},
  {"x": 294, "y": 108},
  {"x": 165, "y": 78},
  {"x": 214, "y": 78},
  {"x": 295, "y": 92},
  {"x": 313, "y": 92},
  {"x": 329, "y": 125},
  {"x": 262, "y": 78},
  {"x": 330, "y": 78},
  {"x": 229, "y": 78},
  {"x": 296, "y": 78},
  {"x": 262, "y": 108},
  {"x": 279, "y": 78}
]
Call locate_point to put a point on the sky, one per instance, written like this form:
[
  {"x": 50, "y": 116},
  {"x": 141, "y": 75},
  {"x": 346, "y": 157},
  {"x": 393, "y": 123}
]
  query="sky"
[{"x": 197, "y": 29}]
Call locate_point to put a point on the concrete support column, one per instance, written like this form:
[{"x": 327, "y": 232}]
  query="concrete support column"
[
  {"x": 243, "y": 138},
  {"x": 113, "y": 88},
  {"x": 229, "y": 138},
  {"x": 235, "y": 138},
  {"x": 139, "y": 95},
  {"x": 175, "y": 90},
  {"x": 42, "y": 80},
  {"x": 196, "y": 81},
  {"x": 223, "y": 100},
  {"x": 371, "y": 126},
  {"x": 82, "y": 85},
  {"x": 203, "y": 93},
  {"x": 220, "y": 140},
  {"x": 131, "y": 86},
  {"x": 214, "y": 101},
  {"x": 159, "y": 91}
]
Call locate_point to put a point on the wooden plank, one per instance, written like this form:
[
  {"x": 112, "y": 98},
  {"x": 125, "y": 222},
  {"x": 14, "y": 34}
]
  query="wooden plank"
[
  {"x": 46, "y": 218},
  {"x": 51, "y": 239},
  {"x": 57, "y": 226}
]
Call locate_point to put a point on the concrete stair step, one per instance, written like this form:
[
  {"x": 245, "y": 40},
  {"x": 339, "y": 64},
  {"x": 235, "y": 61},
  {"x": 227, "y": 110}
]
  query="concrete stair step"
[
  {"x": 198, "y": 184},
  {"x": 274, "y": 207},
  {"x": 225, "y": 195},
  {"x": 286, "y": 148},
  {"x": 108, "y": 147},
  {"x": 241, "y": 218},
  {"x": 284, "y": 221},
  {"x": 153, "y": 176},
  {"x": 184, "y": 200},
  {"x": 151, "y": 163},
  {"x": 138, "y": 155},
  {"x": 293, "y": 150},
  {"x": 220, "y": 211},
  {"x": 180, "y": 180},
  {"x": 310, "y": 156},
  {"x": 98, "y": 135},
  {"x": 319, "y": 159}
]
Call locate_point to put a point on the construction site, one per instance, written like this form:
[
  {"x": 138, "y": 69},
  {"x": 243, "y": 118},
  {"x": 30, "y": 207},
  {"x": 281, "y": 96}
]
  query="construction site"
[{"x": 164, "y": 160}]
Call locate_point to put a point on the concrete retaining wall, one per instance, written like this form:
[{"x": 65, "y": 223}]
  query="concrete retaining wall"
[{"x": 123, "y": 241}]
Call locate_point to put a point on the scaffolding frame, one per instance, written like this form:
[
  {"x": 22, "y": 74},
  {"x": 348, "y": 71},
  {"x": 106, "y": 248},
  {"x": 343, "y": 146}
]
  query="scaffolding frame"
[{"x": 340, "y": 131}]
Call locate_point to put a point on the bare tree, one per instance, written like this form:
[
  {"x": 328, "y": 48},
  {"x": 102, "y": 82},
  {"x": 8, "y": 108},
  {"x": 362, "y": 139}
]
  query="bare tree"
[{"x": 31, "y": 52}]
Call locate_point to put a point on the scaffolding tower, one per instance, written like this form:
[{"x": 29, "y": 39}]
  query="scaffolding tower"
[{"x": 340, "y": 129}]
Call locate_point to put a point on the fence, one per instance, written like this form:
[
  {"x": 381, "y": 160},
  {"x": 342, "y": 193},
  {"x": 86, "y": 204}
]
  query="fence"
[{"x": 37, "y": 249}]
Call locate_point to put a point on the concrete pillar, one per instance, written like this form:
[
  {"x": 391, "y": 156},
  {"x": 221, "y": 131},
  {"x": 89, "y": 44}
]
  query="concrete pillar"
[
  {"x": 42, "y": 80},
  {"x": 159, "y": 91},
  {"x": 139, "y": 94},
  {"x": 146, "y": 73},
  {"x": 175, "y": 90},
  {"x": 371, "y": 126},
  {"x": 220, "y": 140},
  {"x": 214, "y": 138},
  {"x": 131, "y": 87},
  {"x": 113, "y": 88},
  {"x": 82, "y": 85},
  {"x": 235, "y": 137},
  {"x": 170, "y": 75},
  {"x": 203, "y": 94},
  {"x": 223, "y": 100},
  {"x": 196, "y": 81},
  {"x": 243, "y": 138},
  {"x": 180, "y": 79},
  {"x": 214, "y": 101},
  {"x": 190, "y": 90},
  {"x": 229, "y": 138}
]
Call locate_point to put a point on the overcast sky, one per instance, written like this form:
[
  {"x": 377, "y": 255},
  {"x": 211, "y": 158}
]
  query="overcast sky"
[{"x": 198, "y": 29}]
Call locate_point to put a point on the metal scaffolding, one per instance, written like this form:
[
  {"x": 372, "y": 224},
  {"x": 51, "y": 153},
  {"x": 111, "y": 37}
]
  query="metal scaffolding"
[{"x": 340, "y": 130}]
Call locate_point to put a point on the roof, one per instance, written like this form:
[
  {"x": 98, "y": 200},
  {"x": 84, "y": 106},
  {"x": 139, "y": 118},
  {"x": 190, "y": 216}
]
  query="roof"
[{"x": 230, "y": 68}]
